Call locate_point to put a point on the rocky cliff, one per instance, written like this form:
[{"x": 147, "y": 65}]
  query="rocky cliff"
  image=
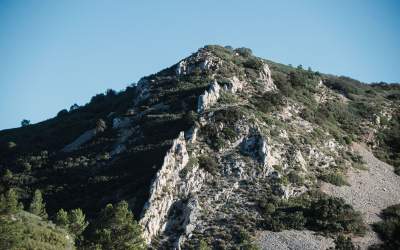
[{"x": 211, "y": 151}]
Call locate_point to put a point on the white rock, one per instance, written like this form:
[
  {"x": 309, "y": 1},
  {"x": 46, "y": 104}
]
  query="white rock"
[
  {"x": 235, "y": 85},
  {"x": 257, "y": 147},
  {"x": 82, "y": 139},
  {"x": 181, "y": 68},
  {"x": 209, "y": 97},
  {"x": 163, "y": 188},
  {"x": 265, "y": 77}
]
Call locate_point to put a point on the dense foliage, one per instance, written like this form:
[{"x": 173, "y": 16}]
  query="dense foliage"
[
  {"x": 313, "y": 211},
  {"x": 22, "y": 230},
  {"x": 114, "y": 228},
  {"x": 389, "y": 228}
]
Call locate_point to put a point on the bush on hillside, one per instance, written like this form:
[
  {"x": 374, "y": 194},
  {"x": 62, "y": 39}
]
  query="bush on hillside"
[
  {"x": 316, "y": 212},
  {"x": 208, "y": 164},
  {"x": 389, "y": 228}
]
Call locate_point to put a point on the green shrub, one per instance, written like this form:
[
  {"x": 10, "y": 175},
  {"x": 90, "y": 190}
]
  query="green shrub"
[
  {"x": 245, "y": 52},
  {"x": 333, "y": 215},
  {"x": 314, "y": 211},
  {"x": 343, "y": 243},
  {"x": 208, "y": 164},
  {"x": 203, "y": 245},
  {"x": 253, "y": 63},
  {"x": 268, "y": 102},
  {"x": 243, "y": 240},
  {"x": 295, "y": 178},
  {"x": 117, "y": 229},
  {"x": 335, "y": 178},
  {"x": 389, "y": 228}
]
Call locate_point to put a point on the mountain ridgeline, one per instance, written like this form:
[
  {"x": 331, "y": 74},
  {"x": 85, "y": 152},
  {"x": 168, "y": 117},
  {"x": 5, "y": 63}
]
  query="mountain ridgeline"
[{"x": 202, "y": 155}]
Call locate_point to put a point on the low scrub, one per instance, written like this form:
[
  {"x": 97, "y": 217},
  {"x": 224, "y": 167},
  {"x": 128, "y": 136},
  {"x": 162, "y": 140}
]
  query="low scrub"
[
  {"x": 208, "y": 164},
  {"x": 389, "y": 228},
  {"x": 335, "y": 178},
  {"x": 317, "y": 212}
]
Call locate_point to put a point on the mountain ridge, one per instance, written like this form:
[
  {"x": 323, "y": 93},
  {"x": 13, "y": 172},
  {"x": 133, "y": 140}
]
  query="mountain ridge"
[{"x": 220, "y": 122}]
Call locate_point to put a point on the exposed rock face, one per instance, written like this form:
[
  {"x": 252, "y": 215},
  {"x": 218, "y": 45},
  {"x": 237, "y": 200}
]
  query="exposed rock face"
[
  {"x": 234, "y": 156},
  {"x": 203, "y": 60},
  {"x": 324, "y": 94},
  {"x": 265, "y": 77},
  {"x": 209, "y": 98},
  {"x": 182, "y": 68},
  {"x": 235, "y": 85},
  {"x": 256, "y": 146},
  {"x": 82, "y": 139},
  {"x": 162, "y": 192},
  {"x": 169, "y": 188},
  {"x": 190, "y": 214},
  {"x": 86, "y": 137}
]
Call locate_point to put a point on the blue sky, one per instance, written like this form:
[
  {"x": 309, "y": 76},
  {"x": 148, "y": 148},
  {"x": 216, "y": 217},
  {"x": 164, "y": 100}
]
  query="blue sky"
[{"x": 56, "y": 53}]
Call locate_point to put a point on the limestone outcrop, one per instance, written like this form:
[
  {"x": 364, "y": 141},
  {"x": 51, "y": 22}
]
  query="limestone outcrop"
[
  {"x": 203, "y": 60},
  {"x": 257, "y": 147},
  {"x": 164, "y": 191},
  {"x": 86, "y": 136},
  {"x": 170, "y": 190},
  {"x": 209, "y": 97},
  {"x": 266, "y": 78}
]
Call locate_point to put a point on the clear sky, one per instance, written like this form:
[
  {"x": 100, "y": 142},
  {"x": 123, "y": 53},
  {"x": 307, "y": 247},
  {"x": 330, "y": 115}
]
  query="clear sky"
[{"x": 56, "y": 53}]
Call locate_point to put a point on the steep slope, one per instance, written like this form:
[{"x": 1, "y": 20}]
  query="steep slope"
[
  {"x": 210, "y": 150},
  {"x": 32, "y": 232},
  {"x": 372, "y": 190}
]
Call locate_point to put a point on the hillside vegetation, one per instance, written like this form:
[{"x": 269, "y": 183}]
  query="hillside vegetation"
[{"x": 203, "y": 154}]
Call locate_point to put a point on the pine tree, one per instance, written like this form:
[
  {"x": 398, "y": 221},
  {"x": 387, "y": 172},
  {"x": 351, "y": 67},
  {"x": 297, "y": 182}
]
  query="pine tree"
[
  {"x": 117, "y": 229},
  {"x": 9, "y": 203},
  {"x": 37, "y": 205},
  {"x": 77, "y": 222},
  {"x": 10, "y": 227},
  {"x": 73, "y": 221},
  {"x": 61, "y": 218}
]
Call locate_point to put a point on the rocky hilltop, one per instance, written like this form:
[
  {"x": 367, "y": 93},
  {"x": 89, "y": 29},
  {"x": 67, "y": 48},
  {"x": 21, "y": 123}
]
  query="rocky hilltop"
[{"x": 222, "y": 150}]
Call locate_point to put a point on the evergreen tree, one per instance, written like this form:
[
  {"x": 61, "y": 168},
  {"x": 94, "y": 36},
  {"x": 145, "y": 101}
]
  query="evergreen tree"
[
  {"x": 25, "y": 123},
  {"x": 10, "y": 227},
  {"x": 37, "y": 205},
  {"x": 77, "y": 222},
  {"x": 9, "y": 203},
  {"x": 116, "y": 229},
  {"x": 73, "y": 221},
  {"x": 61, "y": 218}
]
